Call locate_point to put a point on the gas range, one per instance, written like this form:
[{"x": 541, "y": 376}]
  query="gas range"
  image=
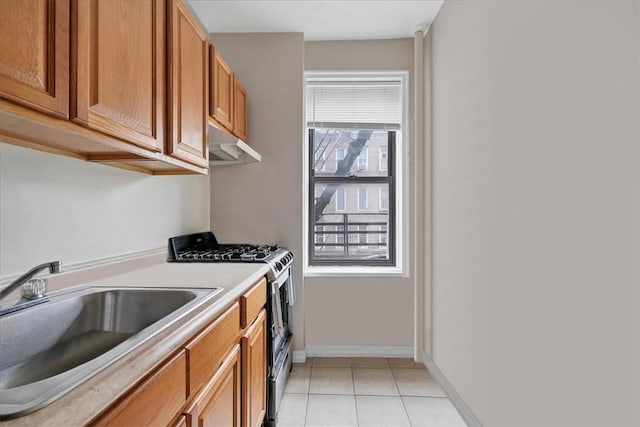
[{"x": 204, "y": 247}]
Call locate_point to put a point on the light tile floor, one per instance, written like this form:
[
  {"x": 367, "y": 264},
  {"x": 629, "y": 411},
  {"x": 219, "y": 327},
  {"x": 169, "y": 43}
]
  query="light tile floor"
[{"x": 344, "y": 392}]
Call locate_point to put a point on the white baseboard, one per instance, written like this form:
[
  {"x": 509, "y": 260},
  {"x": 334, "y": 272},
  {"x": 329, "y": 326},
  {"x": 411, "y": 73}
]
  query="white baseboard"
[
  {"x": 464, "y": 410},
  {"x": 299, "y": 356},
  {"x": 358, "y": 351}
]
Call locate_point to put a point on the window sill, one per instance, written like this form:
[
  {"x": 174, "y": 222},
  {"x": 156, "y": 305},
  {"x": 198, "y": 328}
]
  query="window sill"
[{"x": 353, "y": 271}]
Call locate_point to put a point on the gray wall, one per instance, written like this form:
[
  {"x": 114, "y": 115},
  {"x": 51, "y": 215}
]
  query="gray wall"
[
  {"x": 535, "y": 132},
  {"x": 373, "y": 312},
  {"x": 59, "y": 208},
  {"x": 262, "y": 202}
]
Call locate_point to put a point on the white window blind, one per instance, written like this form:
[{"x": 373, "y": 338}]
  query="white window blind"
[{"x": 344, "y": 104}]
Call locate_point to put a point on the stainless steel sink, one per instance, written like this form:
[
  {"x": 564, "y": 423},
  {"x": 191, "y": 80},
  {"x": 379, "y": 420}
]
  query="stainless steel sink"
[{"x": 48, "y": 349}]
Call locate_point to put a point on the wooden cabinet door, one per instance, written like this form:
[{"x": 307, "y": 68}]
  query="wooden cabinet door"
[
  {"x": 218, "y": 405},
  {"x": 157, "y": 401},
  {"x": 119, "y": 72},
  {"x": 188, "y": 82},
  {"x": 254, "y": 372},
  {"x": 34, "y": 54},
  {"x": 240, "y": 125},
  {"x": 181, "y": 422},
  {"x": 221, "y": 98}
]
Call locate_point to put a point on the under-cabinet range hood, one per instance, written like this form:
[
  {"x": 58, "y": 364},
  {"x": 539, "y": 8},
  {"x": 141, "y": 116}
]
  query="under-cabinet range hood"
[{"x": 227, "y": 149}]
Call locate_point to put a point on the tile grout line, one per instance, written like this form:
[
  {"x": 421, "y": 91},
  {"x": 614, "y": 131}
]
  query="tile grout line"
[
  {"x": 355, "y": 401},
  {"x": 405, "y": 410},
  {"x": 371, "y": 395},
  {"x": 401, "y": 398},
  {"x": 395, "y": 383},
  {"x": 306, "y": 408}
]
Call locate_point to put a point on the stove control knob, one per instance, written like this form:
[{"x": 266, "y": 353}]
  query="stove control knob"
[{"x": 278, "y": 266}]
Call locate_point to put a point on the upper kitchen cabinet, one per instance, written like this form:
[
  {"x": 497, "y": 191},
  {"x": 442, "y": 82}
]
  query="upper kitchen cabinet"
[
  {"x": 34, "y": 54},
  {"x": 228, "y": 98},
  {"x": 118, "y": 82},
  {"x": 222, "y": 93},
  {"x": 119, "y": 89},
  {"x": 240, "y": 124},
  {"x": 188, "y": 87}
]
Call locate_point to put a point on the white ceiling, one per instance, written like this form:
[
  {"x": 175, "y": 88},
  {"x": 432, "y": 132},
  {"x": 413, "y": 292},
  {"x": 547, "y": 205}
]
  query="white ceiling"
[{"x": 318, "y": 19}]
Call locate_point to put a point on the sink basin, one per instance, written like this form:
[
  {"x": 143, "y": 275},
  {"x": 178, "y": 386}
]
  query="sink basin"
[{"x": 48, "y": 349}]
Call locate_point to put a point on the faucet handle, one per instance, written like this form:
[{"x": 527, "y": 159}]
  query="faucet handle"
[{"x": 34, "y": 289}]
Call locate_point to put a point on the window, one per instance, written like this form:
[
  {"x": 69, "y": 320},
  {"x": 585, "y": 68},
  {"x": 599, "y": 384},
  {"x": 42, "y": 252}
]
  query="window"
[
  {"x": 382, "y": 160},
  {"x": 383, "y": 199},
  {"x": 362, "y": 198},
  {"x": 352, "y": 118},
  {"x": 340, "y": 199},
  {"x": 363, "y": 160}
]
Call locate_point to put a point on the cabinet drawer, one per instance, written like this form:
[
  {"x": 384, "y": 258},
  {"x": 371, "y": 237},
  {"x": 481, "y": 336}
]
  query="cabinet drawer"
[
  {"x": 154, "y": 402},
  {"x": 252, "y": 302},
  {"x": 206, "y": 351}
]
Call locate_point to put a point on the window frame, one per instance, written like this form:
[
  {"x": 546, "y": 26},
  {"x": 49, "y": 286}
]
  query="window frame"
[
  {"x": 390, "y": 179},
  {"x": 401, "y": 162}
]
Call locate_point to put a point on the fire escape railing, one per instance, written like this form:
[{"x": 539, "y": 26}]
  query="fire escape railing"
[{"x": 351, "y": 228}]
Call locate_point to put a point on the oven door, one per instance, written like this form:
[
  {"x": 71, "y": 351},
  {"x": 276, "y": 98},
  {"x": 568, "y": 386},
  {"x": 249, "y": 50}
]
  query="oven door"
[
  {"x": 282, "y": 298},
  {"x": 279, "y": 315}
]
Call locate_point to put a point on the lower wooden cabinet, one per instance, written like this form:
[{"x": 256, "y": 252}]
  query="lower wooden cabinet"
[
  {"x": 181, "y": 422},
  {"x": 254, "y": 372},
  {"x": 218, "y": 404},
  {"x": 155, "y": 401},
  {"x": 208, "y": 348},
  {"x": 218, "y": 377}
]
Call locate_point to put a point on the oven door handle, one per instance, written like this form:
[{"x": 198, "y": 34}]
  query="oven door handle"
[{"x": 277, "y": 308}]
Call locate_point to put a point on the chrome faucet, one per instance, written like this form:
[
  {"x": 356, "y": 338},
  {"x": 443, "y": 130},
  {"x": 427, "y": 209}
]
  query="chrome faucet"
[{"x": 54, "y": 267}]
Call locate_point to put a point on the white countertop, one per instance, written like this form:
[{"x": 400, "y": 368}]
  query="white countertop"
[{"x": 87, "y": 400}]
